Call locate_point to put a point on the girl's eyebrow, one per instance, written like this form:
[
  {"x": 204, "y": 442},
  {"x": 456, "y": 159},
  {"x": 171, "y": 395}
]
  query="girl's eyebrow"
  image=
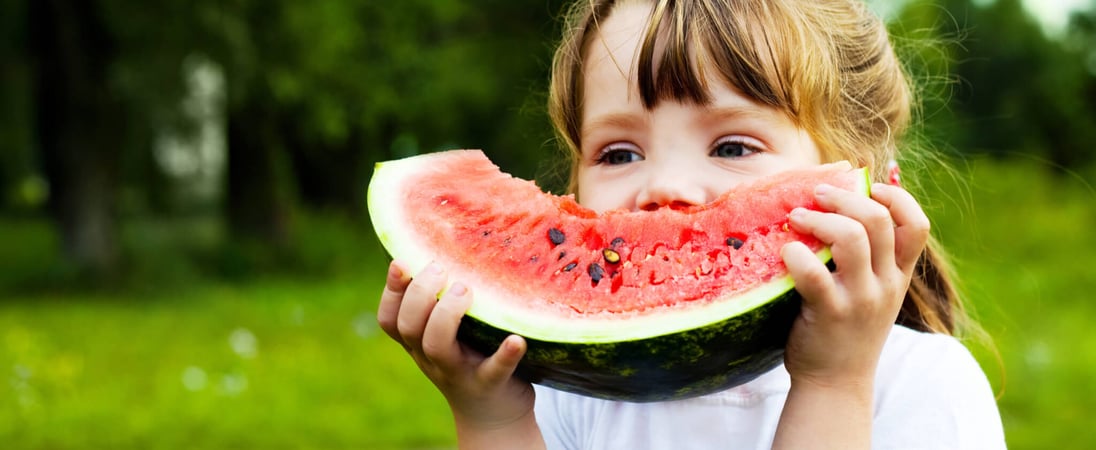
[
  {"x": 614, "y": 120},
  {"x": 719, "y": 114}
]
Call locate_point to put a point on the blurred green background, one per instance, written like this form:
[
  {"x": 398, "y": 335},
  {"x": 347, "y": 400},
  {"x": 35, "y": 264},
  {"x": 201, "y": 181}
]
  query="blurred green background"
[{"x": 185, "y": 260}]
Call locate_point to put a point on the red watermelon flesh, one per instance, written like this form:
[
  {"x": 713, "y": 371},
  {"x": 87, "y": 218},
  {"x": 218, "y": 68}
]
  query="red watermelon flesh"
[{"x": 612, "y": 263}]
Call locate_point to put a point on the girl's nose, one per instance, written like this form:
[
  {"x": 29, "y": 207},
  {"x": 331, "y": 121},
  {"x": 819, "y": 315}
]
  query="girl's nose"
[{"x": 676, "y": 190}]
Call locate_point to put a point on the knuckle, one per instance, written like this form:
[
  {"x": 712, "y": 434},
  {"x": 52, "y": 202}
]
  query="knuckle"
[
  {"x": 878, "y": 217},
  {"x": 875, "y": 297},
  {"x": 923, "y": 225},
  {"x": 855, "y": 234},
  {"x": 448, "y": 310},
  {"x": 432, "y": 349},
  {"x": 918, "y": 230},
  {"x": 407, "y": 330},
  {"x": 388, "y": 324},
  {"x": 816, "y": 276},
  {"x": 842, "y": 311}
]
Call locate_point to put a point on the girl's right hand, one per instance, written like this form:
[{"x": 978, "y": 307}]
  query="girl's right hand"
[{"x": 482, "y": 392}]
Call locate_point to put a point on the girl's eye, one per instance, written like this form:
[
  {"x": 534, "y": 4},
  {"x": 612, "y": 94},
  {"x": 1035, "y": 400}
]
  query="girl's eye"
[
  {"x": 616, "y": 156},
  {"x": 733, "y": 149}
]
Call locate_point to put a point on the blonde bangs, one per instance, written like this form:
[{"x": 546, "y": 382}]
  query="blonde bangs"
[{"x": 690, "y": 43}]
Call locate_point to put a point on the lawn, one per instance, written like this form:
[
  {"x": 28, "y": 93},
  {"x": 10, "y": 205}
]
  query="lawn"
[
  {"x": 1023, "y": 241},
  {"x": 269, "y": 364},
  {"x": 298, "y": 362}
]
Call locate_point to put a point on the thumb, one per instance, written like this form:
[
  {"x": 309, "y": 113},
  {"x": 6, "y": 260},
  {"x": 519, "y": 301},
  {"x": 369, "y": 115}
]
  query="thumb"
[{"x": 500, "y": 366}]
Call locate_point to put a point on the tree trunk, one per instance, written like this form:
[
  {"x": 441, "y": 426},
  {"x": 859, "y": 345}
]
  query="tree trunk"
[
  {"x": 328, "y": 176},
  {"x": 77, "y": 119},
  {"x": 255, "y": 207}
]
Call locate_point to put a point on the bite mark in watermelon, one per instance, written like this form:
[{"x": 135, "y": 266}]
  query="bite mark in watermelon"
[{"x": 635, "y": 306}]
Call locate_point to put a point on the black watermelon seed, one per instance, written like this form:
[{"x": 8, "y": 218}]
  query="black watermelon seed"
[
  {"x": 735, "y": 242},
  {"x": 570, "y": 267},
  {"x": 561, "y": 255},
  {"x": 556, "y": 236},
  {"x": 616, "y": 242},
  {"x": 596, "y": 272},
  {"x": 611, "y": 256}
]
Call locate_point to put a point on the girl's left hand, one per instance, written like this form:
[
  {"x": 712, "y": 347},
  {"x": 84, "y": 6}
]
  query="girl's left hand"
[{"x": 848, "y": 314}]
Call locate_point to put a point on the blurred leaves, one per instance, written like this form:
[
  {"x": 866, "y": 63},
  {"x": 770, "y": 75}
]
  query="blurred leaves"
[
  {"x": 311, "y": 94},
  {"x": 1015, "y": 92}
]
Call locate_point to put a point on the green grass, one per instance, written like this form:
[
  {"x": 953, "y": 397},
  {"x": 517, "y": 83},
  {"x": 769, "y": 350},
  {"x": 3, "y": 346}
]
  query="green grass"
[
  {"x": 269, "y": 364},
  {"x": 1024, "y": 244},
  {"x": 184, "y": 361}
]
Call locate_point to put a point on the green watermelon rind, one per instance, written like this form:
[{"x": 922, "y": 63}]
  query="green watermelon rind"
[{"x": 690, "y": 363}]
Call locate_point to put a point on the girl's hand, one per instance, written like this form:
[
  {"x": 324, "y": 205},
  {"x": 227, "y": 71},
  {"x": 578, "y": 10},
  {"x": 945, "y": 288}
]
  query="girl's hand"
[
  {"x": 847, "y": 314},
  {"x": 485, "y": 398}
]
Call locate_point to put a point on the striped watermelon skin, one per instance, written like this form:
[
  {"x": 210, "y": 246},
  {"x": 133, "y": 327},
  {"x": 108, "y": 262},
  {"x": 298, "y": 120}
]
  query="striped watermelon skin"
[{"x": 686, "y": 364}]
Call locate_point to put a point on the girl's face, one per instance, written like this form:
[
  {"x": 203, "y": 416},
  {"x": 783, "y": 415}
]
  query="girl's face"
[{"x": 675, "y": 154}]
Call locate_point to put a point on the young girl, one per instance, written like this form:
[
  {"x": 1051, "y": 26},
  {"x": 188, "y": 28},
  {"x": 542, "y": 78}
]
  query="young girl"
[{"x": 671, "y": 102}]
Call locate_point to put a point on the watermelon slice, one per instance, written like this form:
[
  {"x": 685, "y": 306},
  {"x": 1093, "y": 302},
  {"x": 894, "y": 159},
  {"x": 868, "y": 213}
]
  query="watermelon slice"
[{"x": 635, "y": 306}]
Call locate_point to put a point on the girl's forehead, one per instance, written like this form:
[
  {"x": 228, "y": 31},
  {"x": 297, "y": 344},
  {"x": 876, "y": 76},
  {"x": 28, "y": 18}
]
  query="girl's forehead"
[
  {"x": 614, "y": 48},
  {"x": 614, "y": 54},
  {"x": 612, "y": 94},
  {"x": 679, "y": 57}
]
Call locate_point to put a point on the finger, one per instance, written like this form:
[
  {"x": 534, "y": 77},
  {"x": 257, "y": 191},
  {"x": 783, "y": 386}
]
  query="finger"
[
  {"x": 873, "y": 216},
  {"x": 500, "y": 366},
  {"x": 912, "y": 226},
  {"x": 439, "y": 340},
  {"x": 812, "y": 279},
  {"x": 389, "y": 308},
  {"x": 418, "y": 303},
  {"x": 847, "y": 239}
]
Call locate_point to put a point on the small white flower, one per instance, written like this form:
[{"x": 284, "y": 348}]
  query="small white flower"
[
  {"x": 296, "y": 316},
  {"x": 365, "y": 325},
  {"x": 244, "y": 343},
  {"x": 233, "y": 384},
  {"x": 1038, "y": 355},
  {"x": 194, "y": 379}
]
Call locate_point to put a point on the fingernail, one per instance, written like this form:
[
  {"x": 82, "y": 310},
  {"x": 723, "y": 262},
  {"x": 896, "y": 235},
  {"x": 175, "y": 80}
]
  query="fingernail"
[
  {"x": 394, "y": 271},
  {"x": 822, "y": 190},
  {"x": 797, "y": 213},
  {"x": 458, "y": 289},
  {"x": 432, "y": 269},
  {"x": 511, "y": 343}
]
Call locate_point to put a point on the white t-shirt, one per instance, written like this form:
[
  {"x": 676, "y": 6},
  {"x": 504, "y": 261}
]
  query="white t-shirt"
[{"x": 930, "y": 393}]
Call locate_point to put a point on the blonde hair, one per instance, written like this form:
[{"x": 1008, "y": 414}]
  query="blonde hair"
[{"x": 828, "y": 64}]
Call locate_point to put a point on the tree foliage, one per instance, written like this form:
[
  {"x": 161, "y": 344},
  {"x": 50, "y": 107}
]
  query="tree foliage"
[
  {"x": 1017, "y": 92},
  {"x": 315, "y": 93}
]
